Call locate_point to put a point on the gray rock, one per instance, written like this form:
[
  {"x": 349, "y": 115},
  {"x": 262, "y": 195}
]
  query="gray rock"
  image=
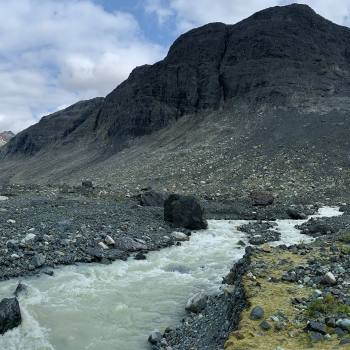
[
  {"x": 315, "y": 337},
  {"x": 329, "y": 279},
  {"x": 38, "y": 260},
  {"x": 257, "y": 313},
  {"x": 29, "y": 237},
  {"x": 296, "y": 214},
  {"x": 155, "y": 337},
  {"x": 262, "y": 198},
  {"x": 109, "y": 240},
  {"x": 180, "y": 236},
  {"x": 264, "y": 325},
  {"x": 317, "y": 327},
  {"x": 344, "y": 323},
  {"x": 197, "y": 303},
  {"x": 10, "y": 314},
  {"x": 12, "y": 244},
  {"x": 129, "y": 244}
]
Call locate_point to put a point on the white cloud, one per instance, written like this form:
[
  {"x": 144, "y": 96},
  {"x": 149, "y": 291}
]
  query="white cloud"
[
  {"x": 189, "y": 14},
  {"x": 53, "y": 53}
]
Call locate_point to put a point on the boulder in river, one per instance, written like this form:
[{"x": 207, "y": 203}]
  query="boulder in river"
[
  {"x": 184, "y": 211},
  {"x": 10, "y": 314},
  {"x": 155, "y": 337},
  {"x": 21, "y": 289}
]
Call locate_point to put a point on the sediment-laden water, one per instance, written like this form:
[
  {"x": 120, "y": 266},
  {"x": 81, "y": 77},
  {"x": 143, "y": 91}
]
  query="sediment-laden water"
[{"x": 115, "y": 307}]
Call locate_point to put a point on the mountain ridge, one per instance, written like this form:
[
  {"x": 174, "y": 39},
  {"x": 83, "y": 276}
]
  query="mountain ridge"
[{"x": 283, "y": 66}]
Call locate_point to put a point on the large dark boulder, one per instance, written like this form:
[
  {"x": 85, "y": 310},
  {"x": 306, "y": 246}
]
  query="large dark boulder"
[
  {"x": 262, "y": 198},
  {"x": 10, "y": 314},
  {"x": 184, "y": 211},
  {"x": 152, "y": 199}
]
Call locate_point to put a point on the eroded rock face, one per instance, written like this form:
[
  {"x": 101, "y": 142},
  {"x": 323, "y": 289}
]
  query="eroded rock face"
[
  {"x": 10, "y": 314},
  {"x": 185, "y": 211}
]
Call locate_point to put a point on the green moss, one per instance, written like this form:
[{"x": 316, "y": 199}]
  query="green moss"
[
  {"x": 327, "y": 305},
  {"x": 344, "y": 237}
]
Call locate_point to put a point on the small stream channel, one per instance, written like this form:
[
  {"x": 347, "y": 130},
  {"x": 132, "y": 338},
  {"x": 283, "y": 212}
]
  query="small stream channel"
[{"x": 115, "y": 307}]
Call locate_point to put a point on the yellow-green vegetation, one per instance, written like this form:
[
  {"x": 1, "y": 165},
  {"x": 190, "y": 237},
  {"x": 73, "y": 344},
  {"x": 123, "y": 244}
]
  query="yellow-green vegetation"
[
  {"x": 344, "y": 237},
  {"x": 275, "y": 296},
  {"x": 328, "y": 305}
]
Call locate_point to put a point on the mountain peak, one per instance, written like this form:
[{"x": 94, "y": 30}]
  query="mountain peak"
[{"x": 281, "y": 56}]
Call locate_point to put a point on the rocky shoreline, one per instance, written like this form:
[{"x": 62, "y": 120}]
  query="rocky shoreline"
[
  {"x": 279, "y": 298},
  {"x": 43, "y": 227}
]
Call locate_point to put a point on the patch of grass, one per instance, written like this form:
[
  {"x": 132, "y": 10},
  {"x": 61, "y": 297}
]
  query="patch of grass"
[
  {"x": 327, "y": 305},
  {"x": 344, "y": 237}
]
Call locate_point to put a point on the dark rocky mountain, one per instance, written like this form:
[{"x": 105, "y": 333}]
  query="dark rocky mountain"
[
  {"x": 229, "y": 104},
  {"x": 5, "y": 137}
]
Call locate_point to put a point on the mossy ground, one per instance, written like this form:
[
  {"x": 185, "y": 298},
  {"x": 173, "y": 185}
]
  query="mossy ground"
[{"x": 273, "y": 297}]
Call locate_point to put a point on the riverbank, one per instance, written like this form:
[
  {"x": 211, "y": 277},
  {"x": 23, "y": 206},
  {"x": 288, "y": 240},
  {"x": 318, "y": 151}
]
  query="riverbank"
[
  {"x": 288, "y": 298},
  {"x": 46, "y": 226},
  {"x": 43, "y": 227}
]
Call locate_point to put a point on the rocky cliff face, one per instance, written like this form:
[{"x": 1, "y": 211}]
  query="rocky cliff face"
[
  {"x": 279, "y": 56},
  {"x": 265, "y": 90}
]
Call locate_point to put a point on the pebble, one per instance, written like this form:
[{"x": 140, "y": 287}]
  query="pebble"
[
  {"x": 329, "y": 278},
  {"x": 28, "y": 237},
  {"x": 103, "y": 245},
  {"x": 264, "y": 325},
  {"x": 180, "y": 236},
  {"x": 109, "y": 240}
]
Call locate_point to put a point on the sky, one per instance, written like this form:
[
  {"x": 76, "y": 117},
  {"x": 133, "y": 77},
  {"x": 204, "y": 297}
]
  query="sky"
[{"x": 54, "y": 53}]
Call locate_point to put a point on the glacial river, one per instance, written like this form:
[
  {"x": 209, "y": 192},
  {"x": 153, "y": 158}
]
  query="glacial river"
[{"x": 115, "y": 307}]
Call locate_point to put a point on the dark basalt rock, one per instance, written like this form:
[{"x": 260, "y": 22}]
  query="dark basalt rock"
[
  {"x": 184, "y": 211},
  {"x": 262, "y": 198},
  {"x": 10, "y": 314},
  {"x": 276, "y": 56},
  {"x": 296, "y": 214}
]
